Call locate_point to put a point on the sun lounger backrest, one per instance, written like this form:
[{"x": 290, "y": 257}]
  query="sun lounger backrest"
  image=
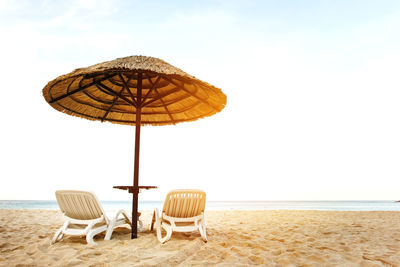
[
  {"x": 184, "y": 203},
  {"x": 80, "y": 205}
]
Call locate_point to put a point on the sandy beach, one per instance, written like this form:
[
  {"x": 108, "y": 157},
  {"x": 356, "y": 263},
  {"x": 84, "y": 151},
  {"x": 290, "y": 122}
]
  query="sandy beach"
[{"x": 236, "y": 238}]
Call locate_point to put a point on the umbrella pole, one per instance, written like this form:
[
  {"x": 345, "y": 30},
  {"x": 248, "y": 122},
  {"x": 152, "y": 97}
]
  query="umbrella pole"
[{"x": 136, "y": 170}]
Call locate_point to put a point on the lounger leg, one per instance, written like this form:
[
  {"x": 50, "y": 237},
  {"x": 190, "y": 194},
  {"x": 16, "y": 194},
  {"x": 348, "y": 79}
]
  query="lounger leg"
[
  {"x": 57, "y": 236},
  {"x": 202, "y": 229},
  {"x": 159, "y": 224},
  {"x": 110, "y": 230},
  {"x": 91, "y": 233},
  {"x": 89, "y": 238},
  {"x": 167, "y": 228}
]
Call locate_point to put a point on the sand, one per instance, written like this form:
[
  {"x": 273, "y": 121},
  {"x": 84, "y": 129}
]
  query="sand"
[{"x": 236, "y": 238}]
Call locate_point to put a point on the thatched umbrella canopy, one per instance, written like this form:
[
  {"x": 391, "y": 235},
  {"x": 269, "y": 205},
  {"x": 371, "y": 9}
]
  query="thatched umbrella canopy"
[
  {"x": 108, "y": 92},
  {"x": 134, "y": 90}
]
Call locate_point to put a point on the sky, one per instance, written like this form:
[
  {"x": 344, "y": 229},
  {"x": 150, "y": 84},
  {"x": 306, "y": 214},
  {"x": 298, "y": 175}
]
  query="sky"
[{"x": 312, "y": 99}]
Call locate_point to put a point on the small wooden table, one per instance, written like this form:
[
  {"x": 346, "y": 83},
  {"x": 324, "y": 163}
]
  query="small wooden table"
[{"x": 131, "y": 189}]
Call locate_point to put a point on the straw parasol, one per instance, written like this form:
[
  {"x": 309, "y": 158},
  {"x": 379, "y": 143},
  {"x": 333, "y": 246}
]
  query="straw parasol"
[{"x": 135, "y": 90}]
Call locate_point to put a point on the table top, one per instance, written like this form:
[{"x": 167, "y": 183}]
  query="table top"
[{"x": 131, "y": 188}]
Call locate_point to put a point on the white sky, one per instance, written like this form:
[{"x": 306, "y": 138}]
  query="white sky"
[{"x": 313, "y": 99}]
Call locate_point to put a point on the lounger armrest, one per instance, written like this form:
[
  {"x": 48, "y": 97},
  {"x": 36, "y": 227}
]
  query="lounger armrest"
[
  {"x": 124, "y": 214},
  {"x": 155, "y": 219}
]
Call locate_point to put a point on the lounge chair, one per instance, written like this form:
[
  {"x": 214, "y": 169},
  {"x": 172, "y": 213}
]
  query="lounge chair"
[
  {"x": 84, "y": 215},
  {"x": 183, "y": 211}
]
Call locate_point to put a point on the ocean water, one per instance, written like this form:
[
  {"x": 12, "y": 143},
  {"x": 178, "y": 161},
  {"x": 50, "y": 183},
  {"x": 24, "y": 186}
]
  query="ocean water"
[{"x": 364, "y": 205}]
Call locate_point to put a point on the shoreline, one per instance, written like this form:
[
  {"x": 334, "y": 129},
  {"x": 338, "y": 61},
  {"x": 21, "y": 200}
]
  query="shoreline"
[
  {"x": 222, "y": 210},
  {"x": 335, "y": 205},
  {"x": 236, "y": 238}
]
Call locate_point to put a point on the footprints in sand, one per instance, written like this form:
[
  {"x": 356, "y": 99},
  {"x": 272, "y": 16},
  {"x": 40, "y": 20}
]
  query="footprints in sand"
[
  {"x": 277, "y": 252},
  {"x": 3, "y": 245},
  {"x": 87, "y": 256},
  {"x": 267, "y": 238},
  {"x": 43, "y": 248},
  {"x": 328, "y": 233},
  {"x": 277, "y": 239},
  {"x": 256, "y": 259},
  {"x": 17, "y": 247}
]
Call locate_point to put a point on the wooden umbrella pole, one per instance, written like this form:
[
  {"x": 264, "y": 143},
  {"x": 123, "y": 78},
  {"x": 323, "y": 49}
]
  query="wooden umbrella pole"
[{"x": 137, "y": 148}]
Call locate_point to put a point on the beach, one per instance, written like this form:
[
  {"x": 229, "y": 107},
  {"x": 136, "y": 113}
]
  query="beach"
[{"x": 236, "y": 238}]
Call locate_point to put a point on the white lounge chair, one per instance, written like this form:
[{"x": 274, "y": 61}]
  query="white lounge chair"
[
  {"x": 183, "y": 211},
  {"x": 84, "y": 215}
]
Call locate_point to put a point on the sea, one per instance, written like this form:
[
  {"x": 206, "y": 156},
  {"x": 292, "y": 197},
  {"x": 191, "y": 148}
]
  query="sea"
[{"x": 343, "y": 205}]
